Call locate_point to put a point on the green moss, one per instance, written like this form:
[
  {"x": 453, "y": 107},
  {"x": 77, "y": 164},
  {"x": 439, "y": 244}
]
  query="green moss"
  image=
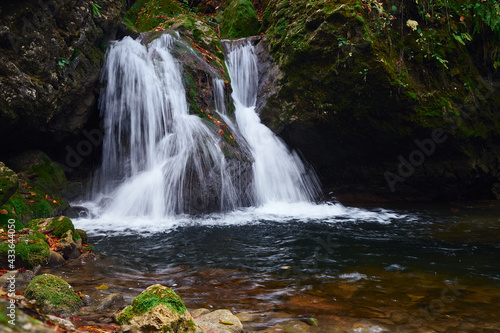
[
  {"x": 150, "y": 298},
  {"x": 240, "y": 20},
  {"x": 60, "y": 226},
  {"x": 31, "y": 250},
  {"x": 40, "y": 181},
  {"x": 148, "y": 14},
  {"x": 9, "y": 182},
  {"x": 54, "y": 294}
]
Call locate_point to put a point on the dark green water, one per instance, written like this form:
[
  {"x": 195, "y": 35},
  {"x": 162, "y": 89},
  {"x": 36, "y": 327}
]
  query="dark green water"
[{"x": 407, "y": 268}]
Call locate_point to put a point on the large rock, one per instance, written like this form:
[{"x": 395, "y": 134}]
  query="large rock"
[
  {"x": 239, "y": 20},
  {"x": 31, "y": 250},
  {"x": 57, "y": 226},
  {"x": 53, "y": 295},
  {"x": 156, "y": 309},
  {"x": 8, "y": 183},
  {"x": 51, "y": 53},
  {"x": 362, "y": 102},
  {"x": 41, "y": 186},
  {"x": 69, "y": 248}
]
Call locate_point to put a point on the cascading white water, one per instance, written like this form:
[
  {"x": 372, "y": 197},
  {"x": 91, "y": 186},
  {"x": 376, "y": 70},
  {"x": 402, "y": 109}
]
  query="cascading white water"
[
  {"x": 279, "y": 174},
  {"x": 154, "y": 150},
  {"x": 156, "y": 156}
]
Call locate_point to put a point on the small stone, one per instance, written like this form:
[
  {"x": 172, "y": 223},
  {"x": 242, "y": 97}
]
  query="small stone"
[
  {"x": 296, "y": 326},
  {"x": 87, "y": 300},
  {"x": 55, "y": 259},
  {"x": 246, "y": 316},
  {"x": 68, "y": 246},
  {"x": 109, "y": 301},
  {"x": 199, "y": 312},
  {"x": 221, "y": 321}
]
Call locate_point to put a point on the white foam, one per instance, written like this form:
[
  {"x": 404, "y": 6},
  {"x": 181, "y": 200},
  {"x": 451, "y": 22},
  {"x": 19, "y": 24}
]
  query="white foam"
[{"x": 273, "y": 212}]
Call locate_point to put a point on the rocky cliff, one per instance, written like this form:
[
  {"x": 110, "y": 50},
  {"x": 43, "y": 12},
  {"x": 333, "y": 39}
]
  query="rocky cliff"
[
  {"x": 51, "y": 53},
  {"x": 394, "y": 100},
  {"x": 387, "y": 100}
]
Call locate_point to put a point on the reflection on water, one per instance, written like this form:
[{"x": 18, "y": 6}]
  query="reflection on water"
[{"x": 422, "y": 269}]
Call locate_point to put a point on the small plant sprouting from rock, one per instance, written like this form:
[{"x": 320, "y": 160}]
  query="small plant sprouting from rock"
[
  {"x": 95, "y": 10},
  {"x": 62, "y": 62}
]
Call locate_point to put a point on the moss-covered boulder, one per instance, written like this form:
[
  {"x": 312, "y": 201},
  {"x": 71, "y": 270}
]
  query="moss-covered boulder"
[
  {"x": 9, "y": 183},
  {"x": 156, "y": 309},
  {"x": 363, "y": 84},
  {"x": 239, "y": 20},
  {"x": 31, "y": 250},
  {"x": 57, "y": 226},
  {"x": 53, "y": 295},
  {"x": 144, "y": 15},
  {"x": 41, "y": 185}
]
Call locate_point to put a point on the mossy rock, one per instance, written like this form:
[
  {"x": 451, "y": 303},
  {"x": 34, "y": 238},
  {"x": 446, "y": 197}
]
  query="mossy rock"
[
  {"x": 39, "y": 193},
  {"x": 38, "y": 165},
  {"x": 31, "y": 250},
  {"x": 148, "y": 14},
  {"x": 240, "y": 20},
  {"x": 59, "y": 226},
  {"x": 9, "y": 182},
  {"x": 53, "y": 294},
  {"x": 83, "y": 235},
  {"x": 156, "y": 309},
  {"x": 198, "y": 32}
]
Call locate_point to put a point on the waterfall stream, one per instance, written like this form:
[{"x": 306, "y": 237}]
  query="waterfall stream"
[
  {"x": 158, "y": 160},
  {"x": 279, "y": 174}
]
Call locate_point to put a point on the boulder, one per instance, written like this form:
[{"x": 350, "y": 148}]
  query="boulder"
[
  {"x": 156, "y": 309},
  {"x": 55, "y": 259},
  {"x": 53, "y": 295},
  {"x": 9, "y": 183},
  {"x": 57, "y": 226},
  {"x": 41, "y": 182},
  {"x": 31, "y": 250},
  {"x": 364, "y": 111},
  {"x": 69, "y": 248},
  {"x": 239, "y": 20}
]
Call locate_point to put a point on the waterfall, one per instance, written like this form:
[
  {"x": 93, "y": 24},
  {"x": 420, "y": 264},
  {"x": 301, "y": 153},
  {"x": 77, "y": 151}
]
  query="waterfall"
[
  {"x": 158, "y": 160},
  {"x": 279, "y": 174}
]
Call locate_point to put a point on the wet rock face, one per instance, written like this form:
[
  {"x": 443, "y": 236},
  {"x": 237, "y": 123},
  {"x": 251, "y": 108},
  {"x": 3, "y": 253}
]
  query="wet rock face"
[
  {"x": 355, "y": 102},
  {"x": 51, "y": 52}
]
